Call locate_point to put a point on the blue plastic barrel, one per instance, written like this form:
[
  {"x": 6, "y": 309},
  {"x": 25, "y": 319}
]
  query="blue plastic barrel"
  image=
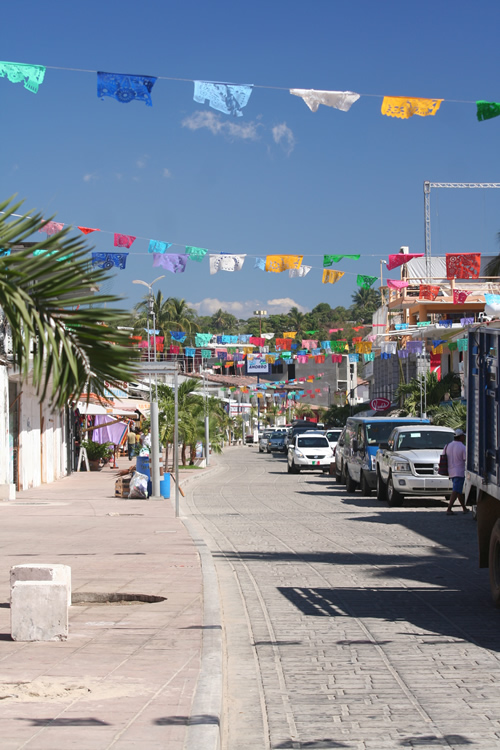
[
  {"x": 165, "y": 486},
  {"x": 142, "y": 465}
]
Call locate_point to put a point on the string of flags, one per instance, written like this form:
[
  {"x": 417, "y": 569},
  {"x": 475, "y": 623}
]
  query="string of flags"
[{"x": 232, "y": 98}]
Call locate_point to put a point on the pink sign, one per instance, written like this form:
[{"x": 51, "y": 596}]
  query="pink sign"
[{"x": 380, "y": 404}]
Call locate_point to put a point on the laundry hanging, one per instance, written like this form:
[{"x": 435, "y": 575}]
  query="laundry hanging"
[
  {"x": 125, "y": 88},
  {"x": 342, "y": 100},
  {"x": 224, "y": 97},
  {"x": 173, "y": 262}
]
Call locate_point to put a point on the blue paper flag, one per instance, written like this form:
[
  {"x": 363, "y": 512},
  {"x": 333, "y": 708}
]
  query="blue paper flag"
[
  {"x": 178, "y": 336},
  {"x": 260, "y": 263},
  {"x": 155, "y": 246},
  {"x": 227, "y": 98},
  {"x": 125, "y": 88},
  {"x": 109, "y": 260}
]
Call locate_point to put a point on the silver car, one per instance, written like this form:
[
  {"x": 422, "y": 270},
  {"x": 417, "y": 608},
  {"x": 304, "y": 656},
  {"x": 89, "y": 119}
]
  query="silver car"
[{"x": 264, "y": 441}]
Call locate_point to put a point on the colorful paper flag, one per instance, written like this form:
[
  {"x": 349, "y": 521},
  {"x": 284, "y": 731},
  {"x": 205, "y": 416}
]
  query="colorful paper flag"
[
  {"x": 331, "y": 277},
  {"x": 405, "y": 107},
  {"x": 125, "y": 88}
]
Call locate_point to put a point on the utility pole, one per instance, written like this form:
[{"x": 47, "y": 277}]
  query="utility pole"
[{"x": 176, "y": 440}]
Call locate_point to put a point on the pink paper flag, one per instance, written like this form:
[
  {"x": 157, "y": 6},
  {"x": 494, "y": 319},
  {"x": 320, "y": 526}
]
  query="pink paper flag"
[
  {"x": 400, "y": 259},
  {"x": 51, "y": 227},
  {"x": 395, "y": 284},
  {"x": 459, "y": 296},
  {"x": 123, "y": 240}
]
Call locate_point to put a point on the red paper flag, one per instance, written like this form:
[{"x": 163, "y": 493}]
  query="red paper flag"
[
  {"x": 463, "y": 265},
  {"x": 428, "y": 292},
  {"x": 123, "y": 240},
  {"x": 88, "y": 230},
  {"x": 459, "y": 296}
]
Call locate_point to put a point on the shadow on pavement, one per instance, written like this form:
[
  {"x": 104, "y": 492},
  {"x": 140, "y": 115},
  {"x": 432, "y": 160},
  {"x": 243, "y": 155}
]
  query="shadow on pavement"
[{"x": 187, "y": 720}]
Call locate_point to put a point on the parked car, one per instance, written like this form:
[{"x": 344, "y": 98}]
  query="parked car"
[
  {"x": 362, "y": 439},
  {"x": 299, "y": 427},
  {"x": 333, "y": 437},
  {"x": 264, "y": 441},
  {"x": 309, "y": 450},
  {"x": 409, "y": 464},
  {"x": 277, "y": 442}
]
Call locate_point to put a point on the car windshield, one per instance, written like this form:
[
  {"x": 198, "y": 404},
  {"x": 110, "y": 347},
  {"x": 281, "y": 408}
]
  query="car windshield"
[
  {"x": 378, "y": 432},
  {"x": 333, "y": 435},
  {"x": 312, "y": 442},
  {"x": 277, "y": 436},
  {"x": 422, "y": 439}
]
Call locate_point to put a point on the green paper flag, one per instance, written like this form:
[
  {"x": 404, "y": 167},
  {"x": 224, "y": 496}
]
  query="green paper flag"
[
  {"x": 487, "y": 110},
  {"x": 329, "y": 259},
  {"x": 366, "y": 281},
  {"x": 452, "y": 346},
  {"x": 311, "y": 333},
  {"x": 31, "y": 75},
  {"x": 196, "y": 253}
]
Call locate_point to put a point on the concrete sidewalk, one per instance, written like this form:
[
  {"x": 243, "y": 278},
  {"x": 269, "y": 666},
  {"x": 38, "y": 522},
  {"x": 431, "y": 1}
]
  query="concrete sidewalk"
[{"x": 128, "y": 673}]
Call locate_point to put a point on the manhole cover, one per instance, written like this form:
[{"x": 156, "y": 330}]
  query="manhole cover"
[{"x": 86, "y": 597}]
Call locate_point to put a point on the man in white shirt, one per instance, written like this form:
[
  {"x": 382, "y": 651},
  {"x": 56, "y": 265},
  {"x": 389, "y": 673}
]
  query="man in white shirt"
[{"x": 456, "y": 454}]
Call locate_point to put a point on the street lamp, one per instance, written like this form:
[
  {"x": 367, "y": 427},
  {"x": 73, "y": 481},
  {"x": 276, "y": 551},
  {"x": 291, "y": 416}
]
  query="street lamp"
[
  {"x": 261, "y": 314},
  {"x": 153, "y": 402},
  {"x": 382, "y": 262}
]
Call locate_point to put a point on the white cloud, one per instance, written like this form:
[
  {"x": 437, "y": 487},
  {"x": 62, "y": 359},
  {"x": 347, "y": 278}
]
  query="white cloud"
[
  {"x": 142, "y": 161},
  {"x": 284, "y": 136},
  {"x": 89, "y": 177},
  {"x": 245, "y": 308},
  {"x": 283, "y": 304},
  {"x": 247, "y": 131},
  {"x": 166, "y": 172}
]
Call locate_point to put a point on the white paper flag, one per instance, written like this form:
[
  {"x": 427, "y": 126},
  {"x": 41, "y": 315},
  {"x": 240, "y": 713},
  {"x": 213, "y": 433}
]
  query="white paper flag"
[
  {"x": 297, "y": 273},
  {"x": 338, "y": 99},
  {"x": 226, "y": 263}
]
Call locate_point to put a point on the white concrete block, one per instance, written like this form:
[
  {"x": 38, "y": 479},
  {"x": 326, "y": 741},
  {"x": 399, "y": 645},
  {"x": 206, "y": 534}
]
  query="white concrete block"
[
  {"x": 42, "y": 572},
  {"x": 7, "y": 491},
  {"x": 39, "y": 611}
]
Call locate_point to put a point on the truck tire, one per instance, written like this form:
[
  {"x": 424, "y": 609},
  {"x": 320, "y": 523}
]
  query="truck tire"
[
  {"x": 381, "y": 488},
  {"x": 350, "y": 484},
  {"x": 394, "y": 498},
  {"x": 338, "y": 476},
  {"x": 494, "y": 564},
  {"x": 365, "y": 488}
]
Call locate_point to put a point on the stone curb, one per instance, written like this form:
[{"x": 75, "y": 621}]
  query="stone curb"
[{"x": 204, "y": 725}]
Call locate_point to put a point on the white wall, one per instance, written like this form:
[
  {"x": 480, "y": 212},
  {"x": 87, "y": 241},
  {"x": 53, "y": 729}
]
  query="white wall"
[
  {"x": 4, "y": 426},
  {"x": 42, "y": 452}
]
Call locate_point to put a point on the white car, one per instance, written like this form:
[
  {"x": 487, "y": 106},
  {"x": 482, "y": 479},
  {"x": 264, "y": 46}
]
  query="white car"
[
  {"x": 333, "y": 437},
  {"x": 310, "y": 451}
]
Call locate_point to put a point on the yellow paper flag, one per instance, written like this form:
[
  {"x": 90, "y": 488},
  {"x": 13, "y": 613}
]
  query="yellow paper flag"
[
  {"x": 280, "y": 263},
  {"x": 289, "y": 334},
  {"x": 330, "y": 276},
  {"x": 405, "y": 107}
]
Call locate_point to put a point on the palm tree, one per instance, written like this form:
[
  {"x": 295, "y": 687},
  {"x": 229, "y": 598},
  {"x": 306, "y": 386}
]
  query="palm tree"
[
  {"x": 302, "y": 411},
  {"x": 63, "y": 336},
  {"x": 453, "y": 414},
  {"x": 223, "y": 321},
  {"x": 365, "y": 302},
  {"x": 182, "y": 317},
  {"x": 297, "y": 320},
  {"x": 434, "y": 388},
  {"x": 161, "y": 309}
]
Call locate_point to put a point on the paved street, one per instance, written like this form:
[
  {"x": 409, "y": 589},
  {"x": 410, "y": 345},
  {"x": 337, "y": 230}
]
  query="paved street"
[{"x": 348, "y": 624}]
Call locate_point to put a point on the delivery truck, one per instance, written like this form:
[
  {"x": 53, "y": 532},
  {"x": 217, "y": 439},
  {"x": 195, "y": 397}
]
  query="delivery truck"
[{"x": 482, "y": 474}]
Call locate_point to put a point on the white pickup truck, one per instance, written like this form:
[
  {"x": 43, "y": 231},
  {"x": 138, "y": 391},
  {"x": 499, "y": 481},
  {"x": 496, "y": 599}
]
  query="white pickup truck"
[{"x": 408, "y": 463}]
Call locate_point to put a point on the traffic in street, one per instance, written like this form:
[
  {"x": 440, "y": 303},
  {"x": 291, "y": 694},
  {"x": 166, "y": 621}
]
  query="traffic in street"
[{"x": 348, "y": 623}]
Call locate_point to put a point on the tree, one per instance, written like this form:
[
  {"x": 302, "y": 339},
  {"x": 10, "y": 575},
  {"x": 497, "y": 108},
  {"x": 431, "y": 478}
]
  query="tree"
[
  {"x": 161, "y": 309},
  {"x": 365, "y": 302},
  {"x": 435, "y": 390},
  {"x": 223, "y": 321},
  {"x": 302, "y": 411},
  {"x": 297, "y": 320},
  {"x": 63, "y": 337},
  {"x": 452, "y": 414}
]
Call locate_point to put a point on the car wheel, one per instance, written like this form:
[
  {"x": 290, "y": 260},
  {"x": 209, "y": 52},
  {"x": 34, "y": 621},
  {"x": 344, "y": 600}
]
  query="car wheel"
[
  {"x": 339, "y": 478},
  {"x": 381, "y": 489},
  {"x": 350, "y": 484},
  {"x": 326, "y": 471},
  {"x": 394, "y": 498},
  {"x": 295, "y": 469},
  {"x": 364, "y": 486},
  {"x": 260, "y": 450},
  {"x": 289, "y": 468}
]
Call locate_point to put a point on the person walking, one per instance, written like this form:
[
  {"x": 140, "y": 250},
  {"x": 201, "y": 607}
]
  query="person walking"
[
  {"x": 131, "y": 443},
  {"x": 455, "y": 451}
]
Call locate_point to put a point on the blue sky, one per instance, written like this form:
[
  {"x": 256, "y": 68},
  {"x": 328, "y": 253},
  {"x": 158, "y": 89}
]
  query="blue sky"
[{"x": 280, "y": 179}]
